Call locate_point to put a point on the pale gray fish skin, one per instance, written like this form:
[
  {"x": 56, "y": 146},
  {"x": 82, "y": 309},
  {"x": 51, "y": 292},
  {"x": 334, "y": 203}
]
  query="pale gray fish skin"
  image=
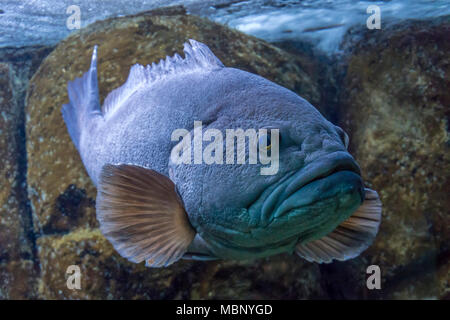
[{"x": 229, "y": 206}]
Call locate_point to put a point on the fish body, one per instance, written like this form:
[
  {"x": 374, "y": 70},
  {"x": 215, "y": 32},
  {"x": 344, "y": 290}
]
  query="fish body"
[{"x": 158, "y": 210}]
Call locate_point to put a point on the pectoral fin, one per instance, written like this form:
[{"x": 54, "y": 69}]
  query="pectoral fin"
[
  {"x": 350, "y": 238},
  {"x": 141, "y": 214}
]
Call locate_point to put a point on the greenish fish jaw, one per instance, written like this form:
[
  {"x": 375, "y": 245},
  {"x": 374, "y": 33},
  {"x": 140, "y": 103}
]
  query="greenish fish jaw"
[
  {"x": 302, "y": 206},
  {"x": 309, "y": 213}
]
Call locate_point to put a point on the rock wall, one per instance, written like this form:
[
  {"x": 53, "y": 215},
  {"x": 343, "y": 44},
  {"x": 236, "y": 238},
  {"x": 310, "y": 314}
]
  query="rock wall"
[
  {"x": 18, "y": 266},
  {"x": 395, "y": 105},
  {"x": 63, "y": 198},
  {"x": 389, "y": 92}
]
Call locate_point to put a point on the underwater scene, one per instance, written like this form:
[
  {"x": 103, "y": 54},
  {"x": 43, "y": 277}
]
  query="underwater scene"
[{"x": 224, "y": 149}]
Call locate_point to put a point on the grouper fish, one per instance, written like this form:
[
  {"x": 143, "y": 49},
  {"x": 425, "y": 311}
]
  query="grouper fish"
[{"x": 154, "y": 209}]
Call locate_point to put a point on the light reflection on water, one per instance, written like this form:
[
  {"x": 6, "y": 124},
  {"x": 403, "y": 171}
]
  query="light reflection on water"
[{"x": 30, "y": 22}]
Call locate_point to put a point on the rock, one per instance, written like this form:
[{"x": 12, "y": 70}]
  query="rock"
[
  {"x": 13, "y": 238},
  {"x": 16, "y": 238},
  {"x": 285, "y": 277},
  {"x": 63, "y": 197},
  {"x": 18, "y": 279},
  {"x": 104, "y": 274},
  {"x": 11, "y": 226},
  {"x": 395, "y": 105}
]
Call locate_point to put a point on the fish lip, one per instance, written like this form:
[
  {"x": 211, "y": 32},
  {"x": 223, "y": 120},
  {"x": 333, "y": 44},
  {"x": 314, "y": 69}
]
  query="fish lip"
[
  {"x": 318, "y": 169},
  {"x": 315, "y": 170}
]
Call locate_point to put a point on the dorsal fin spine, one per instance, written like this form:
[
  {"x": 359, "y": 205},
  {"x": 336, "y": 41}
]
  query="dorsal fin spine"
[
  {"x": 84, "y": 103},
  {"x": 197, "y": 56}
]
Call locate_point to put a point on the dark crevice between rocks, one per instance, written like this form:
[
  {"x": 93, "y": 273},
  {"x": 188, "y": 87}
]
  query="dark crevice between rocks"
[
  {"x": 23, "y": 63},
  {"x": 420, "y": 269},
  {"x": 187, "y": 279},
  {"x": 327, "y": 70},
  {"x": 69, "y": 210},
  {"x": 337, "y": 276},
  {"x": 346, "y": 280}
]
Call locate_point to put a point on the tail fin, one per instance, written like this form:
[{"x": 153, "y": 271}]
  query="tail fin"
[{"x": 83, "y": 103}]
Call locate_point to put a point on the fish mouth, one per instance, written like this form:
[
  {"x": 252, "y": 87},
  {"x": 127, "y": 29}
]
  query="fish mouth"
[{"x": 320, "y": 169}]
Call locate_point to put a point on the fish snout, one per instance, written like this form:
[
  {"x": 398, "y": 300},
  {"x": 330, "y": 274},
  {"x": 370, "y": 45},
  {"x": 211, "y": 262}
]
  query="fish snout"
[
  {"x": 323, "y": 167},
  {"x": 331, "y": 194},
  {"x": 317, "y": 170}
]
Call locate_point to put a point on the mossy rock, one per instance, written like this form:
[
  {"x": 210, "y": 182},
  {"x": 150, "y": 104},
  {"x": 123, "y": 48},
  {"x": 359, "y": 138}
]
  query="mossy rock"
[
  {"x": 395, "y": 105},
  {"x": 104, "y": 274}
]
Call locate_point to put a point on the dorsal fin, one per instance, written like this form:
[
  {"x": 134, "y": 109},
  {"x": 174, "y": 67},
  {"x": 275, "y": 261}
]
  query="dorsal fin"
[
  {"x": 197, "y": 56},
  {"x": 84, "y": 103}
]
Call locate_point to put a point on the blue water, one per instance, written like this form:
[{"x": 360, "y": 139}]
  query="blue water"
[{"x": 322, "y": 22}]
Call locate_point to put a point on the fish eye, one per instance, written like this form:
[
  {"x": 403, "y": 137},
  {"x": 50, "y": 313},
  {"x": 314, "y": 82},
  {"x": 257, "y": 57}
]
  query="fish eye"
[{"x": 265, "y": 140}]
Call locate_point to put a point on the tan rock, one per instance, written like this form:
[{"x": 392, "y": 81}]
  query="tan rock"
[
  {"x": 14, "y": 244},
  {"x": 104, "y": 274},
  {"x": 396, "y": 107},
  {"x": 10, "y": 226},
  {"x": 17, "y": 279}
]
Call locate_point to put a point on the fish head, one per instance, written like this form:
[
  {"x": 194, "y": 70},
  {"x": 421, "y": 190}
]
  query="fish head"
[{"x": 312, "y": 184}]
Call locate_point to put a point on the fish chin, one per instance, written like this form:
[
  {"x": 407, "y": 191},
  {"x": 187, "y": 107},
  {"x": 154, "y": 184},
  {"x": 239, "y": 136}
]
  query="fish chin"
[
  {"x": 311, "y": 202},
  {"x": 311, "y": 212}
]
